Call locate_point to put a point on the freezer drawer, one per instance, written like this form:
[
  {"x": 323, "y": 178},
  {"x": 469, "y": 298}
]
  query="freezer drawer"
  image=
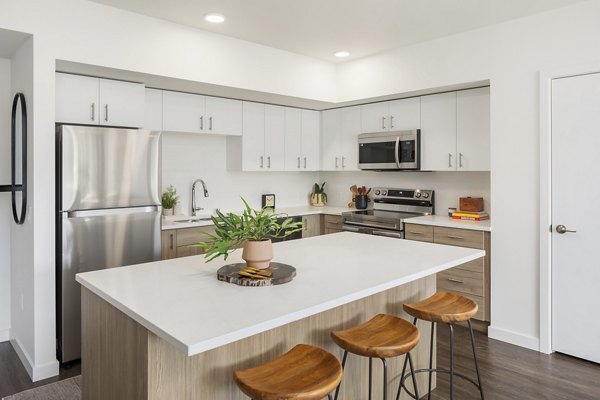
[{"x": 93, "y": 240}]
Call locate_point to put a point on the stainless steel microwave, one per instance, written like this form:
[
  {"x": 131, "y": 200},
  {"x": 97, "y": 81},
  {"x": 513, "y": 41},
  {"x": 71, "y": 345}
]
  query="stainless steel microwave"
[{"x": 398, "y": 151}]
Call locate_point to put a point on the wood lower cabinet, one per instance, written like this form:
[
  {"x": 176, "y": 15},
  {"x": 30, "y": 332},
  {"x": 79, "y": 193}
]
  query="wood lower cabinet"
[
  {"x": 471, "y": 279},
  {"x": 182, "y": 242},
  {"x": 332, "y": 224},
  {"x": 312, "y": 225}
]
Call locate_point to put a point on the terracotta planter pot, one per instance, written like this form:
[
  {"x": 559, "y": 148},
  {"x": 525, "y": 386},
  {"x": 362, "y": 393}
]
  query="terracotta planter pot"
[
  {"x": 258, "y": 254},
  {"x": 317, "y": 200}
]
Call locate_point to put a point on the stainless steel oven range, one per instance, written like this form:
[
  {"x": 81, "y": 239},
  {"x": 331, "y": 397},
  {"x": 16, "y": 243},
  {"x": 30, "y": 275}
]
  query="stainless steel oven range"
[{"x": 391, "y": 207}]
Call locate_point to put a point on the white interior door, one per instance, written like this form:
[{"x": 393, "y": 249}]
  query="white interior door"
[{"x": 575, "y": 189}]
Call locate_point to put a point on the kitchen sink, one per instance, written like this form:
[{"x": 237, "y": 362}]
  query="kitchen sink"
[{"x": 191, "y": 220}]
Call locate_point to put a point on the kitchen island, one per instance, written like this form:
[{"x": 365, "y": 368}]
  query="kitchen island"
[{"x": 171, "y": 330}]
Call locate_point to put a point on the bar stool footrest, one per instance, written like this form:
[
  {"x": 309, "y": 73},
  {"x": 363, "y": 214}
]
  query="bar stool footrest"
[{"x": 435, "y": 370}]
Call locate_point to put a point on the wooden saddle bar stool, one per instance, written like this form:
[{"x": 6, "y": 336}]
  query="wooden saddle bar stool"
[
  {"x": 446, "y": 308},
  {"x": 303, "y": 373},
  {"x": 383, "y": 336}
]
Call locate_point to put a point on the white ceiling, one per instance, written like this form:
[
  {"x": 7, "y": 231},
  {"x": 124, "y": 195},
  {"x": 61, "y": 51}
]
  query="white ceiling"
[{"x": 318, "y": 28}]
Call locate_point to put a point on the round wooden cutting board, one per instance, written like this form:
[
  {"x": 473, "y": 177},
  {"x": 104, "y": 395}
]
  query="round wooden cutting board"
[{"x": 280, "y": 273}]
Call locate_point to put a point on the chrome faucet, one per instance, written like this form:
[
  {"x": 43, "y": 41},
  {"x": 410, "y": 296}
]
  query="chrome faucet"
[{"x": 195, "y": 208}]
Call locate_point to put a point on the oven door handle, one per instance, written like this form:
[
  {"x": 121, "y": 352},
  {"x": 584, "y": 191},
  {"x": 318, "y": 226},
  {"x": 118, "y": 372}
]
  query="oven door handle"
[
  {"x": 370, "y": 225},
  {"x": 388, "y": 234},
  {"x": 350, "y": 228},
  {"x": 397, "y": 151}
]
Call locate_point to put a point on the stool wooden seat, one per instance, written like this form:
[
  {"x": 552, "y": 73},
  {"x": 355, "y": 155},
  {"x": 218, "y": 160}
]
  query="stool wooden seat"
[
  {"x": 303, "y": 373},
  {"x": 382, "y": 336},
  {"x": 444, "y": 307}
]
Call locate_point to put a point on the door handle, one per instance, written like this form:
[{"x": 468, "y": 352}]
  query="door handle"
[{"x": 563, "y": 229}]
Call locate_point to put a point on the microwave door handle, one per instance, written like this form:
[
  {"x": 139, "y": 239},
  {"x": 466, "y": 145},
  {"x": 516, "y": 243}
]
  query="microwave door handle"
[{"x": 397, "y": 151}]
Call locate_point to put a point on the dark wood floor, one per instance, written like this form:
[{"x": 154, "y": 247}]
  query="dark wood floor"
[
  {"x": 14, "y": 378},
  {"x": 508, "y": 372}
]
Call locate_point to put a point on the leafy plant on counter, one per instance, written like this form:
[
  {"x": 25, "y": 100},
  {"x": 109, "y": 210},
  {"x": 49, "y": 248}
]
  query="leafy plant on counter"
[
  {"x": 169, "y": 198},
  {"x": 320, "y": 190},
  {"x": 231, "y": 230}
]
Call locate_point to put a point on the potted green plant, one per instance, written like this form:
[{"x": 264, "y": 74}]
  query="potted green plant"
[
  {"x": 168, "y": 200},
  {"x": 318, "y": 197},
  {"x": 253, "y": 230}
]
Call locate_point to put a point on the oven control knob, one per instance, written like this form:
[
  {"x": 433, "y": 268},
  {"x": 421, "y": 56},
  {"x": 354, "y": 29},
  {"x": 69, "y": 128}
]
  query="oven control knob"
[
  {"x": 425, "y": 195},
  {"x": 384, "y": 193},
  {"x": 418, "y": 194},
  {"x": 377, "y": 192}
]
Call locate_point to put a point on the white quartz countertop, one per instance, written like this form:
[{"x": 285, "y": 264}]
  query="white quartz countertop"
[
  {"x": 444, "y": 220},
  {"x": 182, "y": 301},
  {"x": 174, "y": 222}
]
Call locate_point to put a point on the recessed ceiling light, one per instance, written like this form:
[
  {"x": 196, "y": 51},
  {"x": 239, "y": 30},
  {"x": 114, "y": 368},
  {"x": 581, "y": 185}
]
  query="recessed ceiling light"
[
  {"x": 214, "y": 18},
  {"x": 341, "y": 54}
]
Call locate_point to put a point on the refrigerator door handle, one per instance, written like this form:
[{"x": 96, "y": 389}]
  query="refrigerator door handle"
[{"x": 112, "y": 211}]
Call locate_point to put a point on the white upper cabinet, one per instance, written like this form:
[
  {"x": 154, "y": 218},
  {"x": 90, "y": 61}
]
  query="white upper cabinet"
[
  {"x": 95, "y": 101},
  {"x": 405, "y": 114},
  {"x": 183, "y": 112},
  {"x": 122, "y": 103},
  {"x": 438, "y": 132},
  {"x": 223, "y": 116},
  {"x": 339, "y": 139},
  {"x": 397, "y": 115},
  {"x": 293, "y": 139},
  {"x": 311, "y": 140},
  {"x": 274, "y": 138},
  {"x": 331, "y": 127},
  {"x": 473, "y": 129},
  {"x": 154, "y": 106},
  {"x": 193, "y": 113},
  {"x": 252, "y": 149}
]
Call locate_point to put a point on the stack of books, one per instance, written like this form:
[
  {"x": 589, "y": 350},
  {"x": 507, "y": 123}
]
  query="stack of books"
[{"x": 470, "y": 215}]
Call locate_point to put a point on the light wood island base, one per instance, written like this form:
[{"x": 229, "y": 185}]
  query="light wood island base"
[{"x": 121, "y": 359}]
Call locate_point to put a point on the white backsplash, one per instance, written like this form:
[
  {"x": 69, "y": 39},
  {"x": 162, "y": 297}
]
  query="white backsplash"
[
  {"x": 186, "y": 157},
  {"x": 448, "y": 186}
]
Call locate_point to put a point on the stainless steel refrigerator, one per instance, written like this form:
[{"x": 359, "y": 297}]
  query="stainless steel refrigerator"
[{"x": 108, "y": 212}]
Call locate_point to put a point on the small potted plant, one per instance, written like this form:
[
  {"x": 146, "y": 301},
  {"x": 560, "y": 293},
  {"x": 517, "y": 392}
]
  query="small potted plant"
[
  {"x": 168, "y": 200},
  {"x": 318, "y": 197},
  {"x": 253, "y": 230}
]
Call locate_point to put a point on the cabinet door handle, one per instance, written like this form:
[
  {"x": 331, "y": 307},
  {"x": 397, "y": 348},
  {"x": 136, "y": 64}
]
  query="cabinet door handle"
[
  {"x": 391, "y": 122},
  {"x": 456, "y": 237},
  {"x": 106, "y": 112},
  {"x": 93, "y": 111},
  {"x": 298, "y": 162},
  {"x": 304, "y": 162},
  {"x": 336, "y": 162},
  {"x": 202, "y": 123},
  {"x": 171, "y": 241},
  {"x": 449, "y": 160},
  {"x": 304, "y": 224},
  {"x": 262, "y": 161},
  {"x": 382, "y": 122},
  {"x": 460, "y": 157},
  {"x": 456, "y": 281},
  {"x": 343, "y": 162},
  {"x": 269, "y": 162},
  {"x": 210, "y": 123}
]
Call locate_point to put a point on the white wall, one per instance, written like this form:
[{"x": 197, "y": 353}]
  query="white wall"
[
  {"x": 510, "y": 55},
  {"x": 86, "y": 32},
  {"x": 5, "y": 204},
  {"x": 448, "y": 186},
  {"x": 187, "y": 157}
]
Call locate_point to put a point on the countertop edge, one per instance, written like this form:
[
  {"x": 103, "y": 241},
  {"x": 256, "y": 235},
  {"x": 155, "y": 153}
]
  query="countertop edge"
[{"x": 446, "y": 222}]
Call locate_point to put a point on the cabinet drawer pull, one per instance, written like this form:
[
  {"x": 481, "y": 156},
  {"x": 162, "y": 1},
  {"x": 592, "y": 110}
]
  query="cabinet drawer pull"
[
  {"x": 456, "y": 237},
  {"x": 456, "y": 280},
  {"x": 417, "y": 233}
]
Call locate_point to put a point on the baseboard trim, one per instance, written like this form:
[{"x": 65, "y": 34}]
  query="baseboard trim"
[
  {"x": 36, "y": 372},
  {"x": 4, "y": 335},
  {"x": 511, "y": 337}
]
